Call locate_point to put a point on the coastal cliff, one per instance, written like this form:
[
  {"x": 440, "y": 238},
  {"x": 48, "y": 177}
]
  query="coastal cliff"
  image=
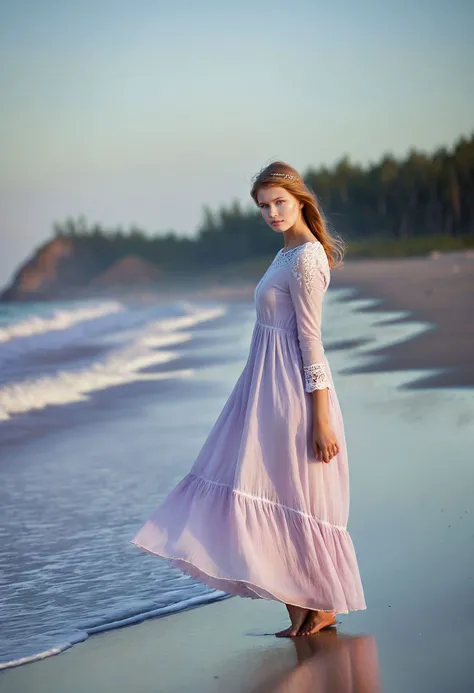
[
  {"x": 45, "y": 274},
  {"x": 62, "y": 268}
]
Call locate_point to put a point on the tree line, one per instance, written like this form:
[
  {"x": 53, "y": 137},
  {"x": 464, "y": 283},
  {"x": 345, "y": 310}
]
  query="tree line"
[{"x": 419, "y": 195}]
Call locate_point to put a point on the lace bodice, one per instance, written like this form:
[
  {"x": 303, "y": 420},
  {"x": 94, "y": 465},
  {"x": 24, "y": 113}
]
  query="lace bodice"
[{"x": 304, "y": 261}]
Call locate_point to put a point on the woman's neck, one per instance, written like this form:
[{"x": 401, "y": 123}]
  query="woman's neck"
[{"x": 297, "y": 234}]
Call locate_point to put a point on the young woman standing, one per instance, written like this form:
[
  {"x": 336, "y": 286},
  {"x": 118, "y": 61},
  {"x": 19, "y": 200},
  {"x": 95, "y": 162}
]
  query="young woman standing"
[{"x": 263, "y": 511}]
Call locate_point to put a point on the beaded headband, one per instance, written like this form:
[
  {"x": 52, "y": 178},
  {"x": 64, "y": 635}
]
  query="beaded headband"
[{"x": 286, "y": 176}]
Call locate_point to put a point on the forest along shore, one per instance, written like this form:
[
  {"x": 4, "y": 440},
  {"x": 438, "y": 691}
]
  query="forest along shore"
[{"x": 438, "y": 289}]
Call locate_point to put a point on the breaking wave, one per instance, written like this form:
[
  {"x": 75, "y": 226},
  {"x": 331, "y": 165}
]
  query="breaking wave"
[
  {"x": 59, "y": 320},
  {"x": 150, "y": 347}
]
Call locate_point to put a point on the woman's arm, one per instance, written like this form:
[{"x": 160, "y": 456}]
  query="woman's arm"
[{"x": 307, "y": 285}]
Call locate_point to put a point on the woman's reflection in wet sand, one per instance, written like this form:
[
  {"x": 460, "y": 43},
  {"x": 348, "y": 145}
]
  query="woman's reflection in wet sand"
[{"x": 332, "y": 663}]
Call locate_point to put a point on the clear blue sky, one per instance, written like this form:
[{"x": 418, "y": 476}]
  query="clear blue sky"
[{"x": 144, "y": 111}]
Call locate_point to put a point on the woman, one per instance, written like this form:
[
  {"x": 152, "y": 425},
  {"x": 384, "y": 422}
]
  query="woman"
[{"x": 263, "y": 511}]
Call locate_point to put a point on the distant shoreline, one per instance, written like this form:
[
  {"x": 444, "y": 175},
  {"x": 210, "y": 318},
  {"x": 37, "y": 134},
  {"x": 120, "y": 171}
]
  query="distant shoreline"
[
  {"x": 438, "y": 290},
  {"x": 61, "y": 271}
]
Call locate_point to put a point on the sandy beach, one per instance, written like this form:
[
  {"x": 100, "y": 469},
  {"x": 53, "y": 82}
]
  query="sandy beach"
[
  {"x": 412, "y": 522},
  {"x": 437, "y": 289}
]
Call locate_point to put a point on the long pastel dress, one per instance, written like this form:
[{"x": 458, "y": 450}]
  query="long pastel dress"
[{"x": 258, "y": 515}]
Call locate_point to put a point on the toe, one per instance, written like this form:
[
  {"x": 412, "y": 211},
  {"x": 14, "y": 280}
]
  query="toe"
[
  {"x": 305, "y": 628},
  {"x": 311, "y": 626},
  {"x": 287, "y": 633}
]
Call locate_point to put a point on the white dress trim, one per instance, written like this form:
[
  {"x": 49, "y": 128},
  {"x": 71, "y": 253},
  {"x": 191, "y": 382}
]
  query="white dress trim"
[{"x": 269, "y": 502}]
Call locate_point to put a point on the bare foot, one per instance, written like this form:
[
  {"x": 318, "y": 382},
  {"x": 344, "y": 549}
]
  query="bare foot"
[
  {"x": 297, "y": 617},
  {"x": 316, "y": 621}
]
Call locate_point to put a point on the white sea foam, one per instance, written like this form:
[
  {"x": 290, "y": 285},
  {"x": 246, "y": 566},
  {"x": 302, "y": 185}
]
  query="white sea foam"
[
  {"x": 122, "y": 366},
  {"x": 77, "y": 636},
  {"x": 59, "y": 320}
]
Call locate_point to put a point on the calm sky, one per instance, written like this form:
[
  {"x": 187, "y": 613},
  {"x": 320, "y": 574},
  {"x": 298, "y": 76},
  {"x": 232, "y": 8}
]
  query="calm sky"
[{"x": 142, "y": 112}]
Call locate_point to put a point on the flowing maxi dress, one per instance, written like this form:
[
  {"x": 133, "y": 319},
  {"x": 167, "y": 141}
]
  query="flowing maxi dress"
[{"x": 258, "y": 515}]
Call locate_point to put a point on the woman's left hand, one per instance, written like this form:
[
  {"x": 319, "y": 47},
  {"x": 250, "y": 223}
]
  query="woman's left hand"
[{"x": 325, "y": 445}]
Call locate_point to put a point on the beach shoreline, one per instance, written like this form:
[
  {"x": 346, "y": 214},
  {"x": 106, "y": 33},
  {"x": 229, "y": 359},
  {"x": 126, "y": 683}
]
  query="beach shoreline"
[{"x": 437, "y": 290}]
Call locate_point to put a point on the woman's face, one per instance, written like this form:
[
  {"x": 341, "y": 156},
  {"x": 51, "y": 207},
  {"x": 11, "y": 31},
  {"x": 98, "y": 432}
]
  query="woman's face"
[{"x": 279, "y": 208}]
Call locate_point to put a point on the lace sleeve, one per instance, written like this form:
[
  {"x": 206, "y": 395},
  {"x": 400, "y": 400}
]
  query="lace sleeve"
[
  {"x": 308, "y": 282},
  {"x": 315, "y": 377}
]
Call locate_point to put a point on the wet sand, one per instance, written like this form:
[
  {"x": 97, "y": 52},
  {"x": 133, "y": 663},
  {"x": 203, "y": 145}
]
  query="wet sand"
[
  {"x": 226, "y": 648},
  {"x": 438, "y": 290}
]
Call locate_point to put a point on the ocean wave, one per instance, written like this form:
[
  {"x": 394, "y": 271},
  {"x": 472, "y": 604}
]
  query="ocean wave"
[
  {"x": 59, "y": 320},
  {"x": 120, "y": 367}
]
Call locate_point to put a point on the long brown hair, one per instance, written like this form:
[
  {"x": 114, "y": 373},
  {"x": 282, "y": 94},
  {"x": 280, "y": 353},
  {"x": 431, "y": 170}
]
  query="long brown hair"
[{"x": 284, "y": 176}]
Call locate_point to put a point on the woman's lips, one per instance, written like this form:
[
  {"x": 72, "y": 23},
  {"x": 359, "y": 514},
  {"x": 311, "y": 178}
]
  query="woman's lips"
[{"x": 275, "y": 223}]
